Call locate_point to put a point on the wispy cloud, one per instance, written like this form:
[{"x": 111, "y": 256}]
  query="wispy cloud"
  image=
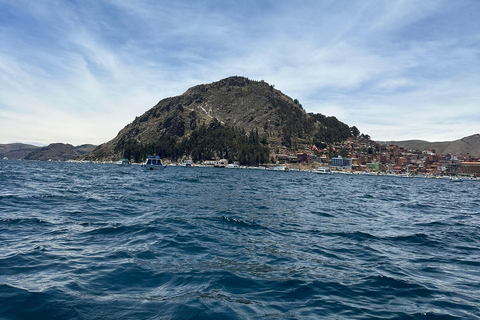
[{"x": 78, "y": 72}]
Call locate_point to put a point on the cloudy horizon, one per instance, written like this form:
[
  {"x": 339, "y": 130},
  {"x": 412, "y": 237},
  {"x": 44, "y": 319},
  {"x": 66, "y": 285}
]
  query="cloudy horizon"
[{"x": 78, "y": 71}]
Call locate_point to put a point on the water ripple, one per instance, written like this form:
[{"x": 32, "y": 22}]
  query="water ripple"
[{"x": 91, "y": 241}]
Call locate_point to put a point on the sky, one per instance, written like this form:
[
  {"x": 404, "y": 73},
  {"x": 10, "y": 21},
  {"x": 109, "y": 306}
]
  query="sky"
[{"x": 77, "y": 72}]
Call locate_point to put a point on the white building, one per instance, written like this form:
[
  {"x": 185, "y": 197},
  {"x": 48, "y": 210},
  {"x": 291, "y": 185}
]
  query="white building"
[{"x": 342, "y": 163}]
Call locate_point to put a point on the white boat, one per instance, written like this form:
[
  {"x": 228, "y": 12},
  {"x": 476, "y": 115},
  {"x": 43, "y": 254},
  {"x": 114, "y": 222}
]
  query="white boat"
[
  {"x": 323, "y": 170},
  {"x": 455, "y": 179},
  {"x": 153, "y": 163},
  {"x": 222, "y": 163},
  {"x": 123, "y": 162},
  {"x": 278, "y": 168},
  {"x": 187, "y": 163}
]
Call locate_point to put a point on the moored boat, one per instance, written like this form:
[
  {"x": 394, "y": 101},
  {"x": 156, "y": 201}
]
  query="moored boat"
[
  {"x": 123, "y": 162},
  {"x": 187, "y": 163},
  {"x": 323, "y": 170},
  {"x": 153, "y": 163},
  {"x": 279, "y": 168}
]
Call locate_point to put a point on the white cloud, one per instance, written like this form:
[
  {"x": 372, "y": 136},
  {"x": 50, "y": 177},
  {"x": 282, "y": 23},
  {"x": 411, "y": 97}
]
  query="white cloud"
[
  {"x": 78, "y": 73},
  {"x": 401, "y": 13}
]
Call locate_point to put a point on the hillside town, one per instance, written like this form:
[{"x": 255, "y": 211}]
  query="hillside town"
[{"x": 362, "y": 155}]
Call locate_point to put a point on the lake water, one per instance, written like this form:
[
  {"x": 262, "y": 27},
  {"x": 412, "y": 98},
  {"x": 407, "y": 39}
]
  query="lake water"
[{"x": 98, "y": 241}]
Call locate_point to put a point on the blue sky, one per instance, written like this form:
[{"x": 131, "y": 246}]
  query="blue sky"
[{"x": 79, "y": 71}]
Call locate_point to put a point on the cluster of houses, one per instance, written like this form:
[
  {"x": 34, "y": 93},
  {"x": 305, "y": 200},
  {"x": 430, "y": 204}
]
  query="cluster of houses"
[{"x": 360, "y": 154}]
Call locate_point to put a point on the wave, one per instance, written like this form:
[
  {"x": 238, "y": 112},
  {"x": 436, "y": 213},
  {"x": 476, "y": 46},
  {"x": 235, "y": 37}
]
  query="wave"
[{"x": 95, "y": 242}]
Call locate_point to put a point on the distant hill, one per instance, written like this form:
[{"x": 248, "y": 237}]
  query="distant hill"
[
  {"x": 470, "y": 145},
  {"x": 59, "y": 152},
  {"x": 16, "y": 151},
  {"x": 235, "y": 118},
  {"x": 54, "y": 151},
  {"x": 85, "y": 148}
]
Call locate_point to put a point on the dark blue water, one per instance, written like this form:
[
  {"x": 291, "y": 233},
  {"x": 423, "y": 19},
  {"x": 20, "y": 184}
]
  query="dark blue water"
[{"x": 93, "y": 241}]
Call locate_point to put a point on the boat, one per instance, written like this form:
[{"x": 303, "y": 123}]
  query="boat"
[
  {"x": 187, "y": 163},
  {"x": 455, "y": 179},
  {"x": 323, "y": 170},
  {"x": 222, "y": 163},
  {"x": 279, "y": 168},
  {"x": 153, "y": 163},
  {"x": 123, "y": 162}
]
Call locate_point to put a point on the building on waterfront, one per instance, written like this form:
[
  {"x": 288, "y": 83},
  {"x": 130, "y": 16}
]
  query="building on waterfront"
[
  {"x": 449, "y": 167},
  {"x": 377, "y": 166},
  {"x": 470, "y": 168},
  {"x": 342, "y": 163},
  {"x": 302, "y": 157},
  {"x": 398, "y": 168}
]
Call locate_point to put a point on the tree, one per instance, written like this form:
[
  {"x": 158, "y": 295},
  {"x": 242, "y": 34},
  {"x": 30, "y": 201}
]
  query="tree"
[
  {"x": 365, "y": 136},
  {"x": 344, "y": 153},
  {"x": 355, "y": 132}
]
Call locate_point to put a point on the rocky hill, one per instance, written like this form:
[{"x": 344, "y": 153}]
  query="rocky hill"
[
  {"x": 16, "y": 151},
  {"x": 467, "y": 145},
  {"x": 198, "y": 121},
  {"x": 54, "y": 151},
  {"x": 85, "y": 148},
  {"x": 59, "y": 152}
]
